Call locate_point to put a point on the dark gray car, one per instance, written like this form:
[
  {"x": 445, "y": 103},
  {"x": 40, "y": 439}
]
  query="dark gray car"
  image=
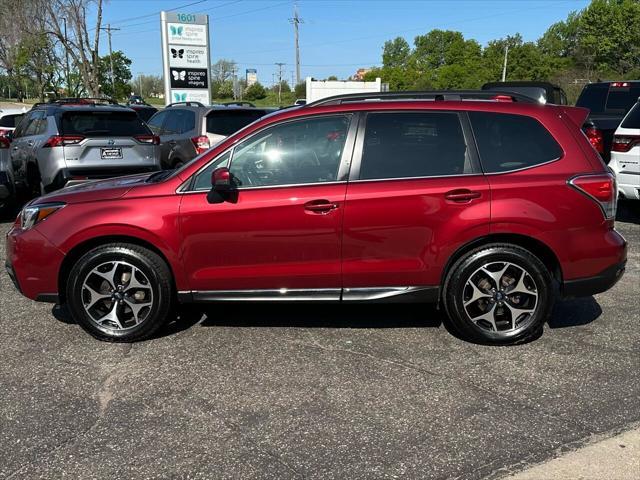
[
  {"x": 64, "y": 143},
  {"x": 187, "y": 129}
]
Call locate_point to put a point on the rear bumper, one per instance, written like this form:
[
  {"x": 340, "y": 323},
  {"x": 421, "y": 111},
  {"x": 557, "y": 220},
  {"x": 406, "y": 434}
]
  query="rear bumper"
[{"x": 584, "y": 287}]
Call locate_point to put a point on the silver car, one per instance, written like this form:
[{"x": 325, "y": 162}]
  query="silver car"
[{"x": 68, "y": 142}]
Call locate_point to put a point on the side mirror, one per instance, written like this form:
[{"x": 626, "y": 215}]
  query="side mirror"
[{"x": 222, "y": 180}]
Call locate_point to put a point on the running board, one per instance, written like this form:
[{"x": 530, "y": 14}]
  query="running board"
[{"x": 369, "y": 294}]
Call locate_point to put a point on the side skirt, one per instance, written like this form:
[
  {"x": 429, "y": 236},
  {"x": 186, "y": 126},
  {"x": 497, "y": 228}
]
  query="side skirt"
[{"x": 369, "y": 294}]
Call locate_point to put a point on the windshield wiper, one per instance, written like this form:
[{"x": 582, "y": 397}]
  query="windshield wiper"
[{"x": 159, "y": 176}]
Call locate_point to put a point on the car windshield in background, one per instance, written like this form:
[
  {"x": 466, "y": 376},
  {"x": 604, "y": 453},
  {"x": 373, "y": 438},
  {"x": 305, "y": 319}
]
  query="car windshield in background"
[
  {"x": 103, "y": 124},
  {"x": 10, "y": 121},
  {"x": 229, "y": 121},
  {"x": 613, "y": 98},
  {"x": 145, "y": 113},
  {"x": 632, "y": 120}
]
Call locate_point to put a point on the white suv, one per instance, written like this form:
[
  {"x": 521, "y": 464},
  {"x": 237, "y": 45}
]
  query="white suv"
[{"x": 625, "y": 155}]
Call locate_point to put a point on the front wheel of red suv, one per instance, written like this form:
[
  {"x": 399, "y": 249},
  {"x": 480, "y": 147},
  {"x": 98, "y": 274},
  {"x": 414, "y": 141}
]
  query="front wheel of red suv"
[
  {"x": 498, "y": 294},
  {"x": 120, "y": 292}
]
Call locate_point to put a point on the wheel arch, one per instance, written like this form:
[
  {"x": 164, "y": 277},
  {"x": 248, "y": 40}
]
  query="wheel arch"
[
  {"x": 83, "y": 247},
  {"x": 533, "y": 245}
]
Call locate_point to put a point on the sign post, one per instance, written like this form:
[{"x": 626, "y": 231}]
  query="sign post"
[{"x": 185, "y": 57}]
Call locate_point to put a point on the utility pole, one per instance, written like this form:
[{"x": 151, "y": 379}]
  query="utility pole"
[
  {"x": 504, "y": 67},
  {"x": 108, "y": 29},
  {"x": 66, "y": 55},
  {"x": 140, "y": 84},
  {"x": 296, "y": 21},
  {"x": 280, "y": 65}
]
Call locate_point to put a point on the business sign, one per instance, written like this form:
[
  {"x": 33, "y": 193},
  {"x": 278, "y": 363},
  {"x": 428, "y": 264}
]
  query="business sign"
[
  {"x": 185, "y": 57},
  {"x": 181, "y": 56},
  {"x": 251, "y": 76}
]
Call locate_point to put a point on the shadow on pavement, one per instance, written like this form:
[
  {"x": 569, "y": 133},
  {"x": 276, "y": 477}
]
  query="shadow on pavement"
[
  {"x": 575, "y": 312},
  {"x": 628, "y": 211}
]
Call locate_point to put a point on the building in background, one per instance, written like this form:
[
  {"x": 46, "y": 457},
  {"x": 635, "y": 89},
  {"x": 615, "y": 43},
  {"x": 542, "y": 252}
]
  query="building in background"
[
  {"x": 251, "y": 76},
  {"x": 359, "y": 75},
  {"x": 318, "y": 89}
]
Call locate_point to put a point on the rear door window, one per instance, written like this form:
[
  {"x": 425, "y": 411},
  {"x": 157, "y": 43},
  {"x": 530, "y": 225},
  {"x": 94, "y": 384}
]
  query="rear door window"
[
  {"x": 155, "y": 124},
  {"x": 512, "y": 142},
  {"x": 179, "y": 121},
  {"x": 632, "y": 120},
  {"x": 226, "y": 122},
  {"x": 102, "y": 124},
  {"x": 420, "y": 144}
]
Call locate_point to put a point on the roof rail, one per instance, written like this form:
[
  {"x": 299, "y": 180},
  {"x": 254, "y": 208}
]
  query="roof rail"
[
  {"x": 435, "y": 95},
  {"x": 186, "y": 104},
  {"x": 81, "y": 101},
  {"x": 238, "y": 104}
]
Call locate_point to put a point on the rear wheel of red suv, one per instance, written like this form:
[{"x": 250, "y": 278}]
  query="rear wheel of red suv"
[
  {"x": 499, "y": 294},
  {"x": 120, "y": 292}
]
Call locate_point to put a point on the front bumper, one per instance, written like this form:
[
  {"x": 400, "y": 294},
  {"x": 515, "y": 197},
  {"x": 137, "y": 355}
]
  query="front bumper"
[
  {"x": 33, "y": 264},
  {"x": 584, "y": 287}
]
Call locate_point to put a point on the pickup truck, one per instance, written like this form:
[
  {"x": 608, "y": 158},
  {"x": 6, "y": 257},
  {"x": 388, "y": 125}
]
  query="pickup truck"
[{"x": 608, "y": 103}]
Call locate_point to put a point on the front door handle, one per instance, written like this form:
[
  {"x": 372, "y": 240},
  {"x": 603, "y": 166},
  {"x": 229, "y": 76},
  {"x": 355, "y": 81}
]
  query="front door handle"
[
  {"x": 462, "y": 195},
  {"x": 320, "y": 206}
]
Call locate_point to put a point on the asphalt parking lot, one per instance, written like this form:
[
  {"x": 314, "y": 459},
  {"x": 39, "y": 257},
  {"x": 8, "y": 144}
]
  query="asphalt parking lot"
[{"x": 324, "y": 392}]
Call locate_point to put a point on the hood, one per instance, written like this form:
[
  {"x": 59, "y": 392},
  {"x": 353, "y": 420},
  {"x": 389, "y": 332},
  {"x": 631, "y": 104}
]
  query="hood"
[{"x": 109, "y": 189}]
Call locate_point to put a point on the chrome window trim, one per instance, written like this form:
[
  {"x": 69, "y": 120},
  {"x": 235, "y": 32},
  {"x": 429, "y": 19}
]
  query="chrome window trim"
[{"x": 289, "y": 185}]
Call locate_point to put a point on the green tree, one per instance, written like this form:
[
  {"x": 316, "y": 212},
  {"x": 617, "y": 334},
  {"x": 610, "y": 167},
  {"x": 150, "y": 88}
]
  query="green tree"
[
  {"x": 121, "y": 75},
  {"x": 396, "y": 53},
  {"x": 222, "y": 89},
  {"x": 301, "y": 90},
  {"x": 255, "y": 92}
]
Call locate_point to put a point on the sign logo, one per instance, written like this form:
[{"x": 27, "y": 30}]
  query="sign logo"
[
  {"x": 111, "y": 142},
  {"x": 178, "y": 75},
  {"x": 177, "y": 53},
  {"x": 180, "y": 97},
  {"x": 177, "y": 31}
]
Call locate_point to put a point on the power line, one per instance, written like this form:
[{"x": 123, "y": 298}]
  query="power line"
[
  {"x": 280, "y": 65},
  {"x": 124, "y": 20},
  {"x": 108, "y": 29},
  {"x": 296, "y": 21}
]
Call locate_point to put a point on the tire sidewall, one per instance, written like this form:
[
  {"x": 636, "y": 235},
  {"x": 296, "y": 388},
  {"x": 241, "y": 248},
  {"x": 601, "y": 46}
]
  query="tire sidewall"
[
  {"x": 160, "y": 287},
  {"x": 467, "y": 265}
]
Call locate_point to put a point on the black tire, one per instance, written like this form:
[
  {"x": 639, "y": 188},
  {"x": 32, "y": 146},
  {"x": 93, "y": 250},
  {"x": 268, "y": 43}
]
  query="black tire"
[
  {"x": 456, "y": 290},
  {"x": 154, "y": 270}
]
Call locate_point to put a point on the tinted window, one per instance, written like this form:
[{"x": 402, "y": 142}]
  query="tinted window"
[
  {"x": 179, "y": 121},
  {"x": 228, "y": 122},
  {"x": 155, "y": 124},
  {"x": 632, "y": 120},
  {"x": 145, "y": 113},
  {"x": 398, "y": 145},
  {"x": 35, "y": 126},
  {"x": 10, "y": 121},
  {"x": 102, "y": 124},
  {"x": 305, "y": 151},
  {"x": 593, "y": 97},
  {"x": 509, "y": 142},
  {"x": 623, "y": 98}
]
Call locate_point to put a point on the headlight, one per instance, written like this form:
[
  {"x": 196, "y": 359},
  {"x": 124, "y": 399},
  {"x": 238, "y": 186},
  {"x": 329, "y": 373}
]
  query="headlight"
[{"x": 32, "y": 214}]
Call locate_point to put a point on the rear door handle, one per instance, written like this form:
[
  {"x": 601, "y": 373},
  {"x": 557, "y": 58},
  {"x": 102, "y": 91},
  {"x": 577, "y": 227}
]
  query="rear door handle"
[
  {"x": 462, "y": 195},
  {"x": 320, "y": 206}
]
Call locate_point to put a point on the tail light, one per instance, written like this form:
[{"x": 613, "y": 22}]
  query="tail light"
[
  {"x": 595, "y": 138},
  {"x": 149, "y": 139},
  {"x": 502, "y": 98},
  {"x": 601, "y": 188},
  {"x": 62, "y": 140},
  {"x": 201, "y": 143},
  {"x": 4, "y": 142},
  {"x": 624, "y": 143},
  {"x": 620, "y": 84}
]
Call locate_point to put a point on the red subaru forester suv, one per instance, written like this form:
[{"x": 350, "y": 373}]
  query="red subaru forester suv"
[{"x": 486, "y": 203}]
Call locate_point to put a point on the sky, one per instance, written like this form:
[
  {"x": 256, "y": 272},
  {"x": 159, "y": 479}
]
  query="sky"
[{"x": 337, "y": 36}]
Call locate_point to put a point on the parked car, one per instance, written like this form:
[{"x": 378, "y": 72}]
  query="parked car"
[
  {"x": 72, "y": 141},
  {"x": 608, "y": 103},
  {"x": 625, "y": 155},
  {"x": 489, "y": 207},
  {"x": 7, "y": 182},
  {"x": 543, "y": 92},
  {"x": 187, "y": 129},
  {"x": 9, "y": 118},
  {"x": 144, "y": 110}
]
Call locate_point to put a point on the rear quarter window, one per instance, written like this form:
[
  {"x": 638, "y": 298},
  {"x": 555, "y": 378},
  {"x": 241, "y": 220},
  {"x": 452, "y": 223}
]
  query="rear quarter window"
[
  {"x": 102, "y": 124},
  {"x": 512, "y": 142},
  {"x": 632, "y": 120}
]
